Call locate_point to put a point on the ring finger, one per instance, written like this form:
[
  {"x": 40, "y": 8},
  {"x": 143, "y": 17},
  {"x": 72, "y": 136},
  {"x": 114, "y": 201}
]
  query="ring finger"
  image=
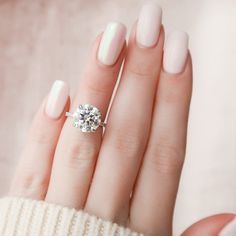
[
  {"x": 129, "y": 120},
  {"x": 76, "y": 152}
]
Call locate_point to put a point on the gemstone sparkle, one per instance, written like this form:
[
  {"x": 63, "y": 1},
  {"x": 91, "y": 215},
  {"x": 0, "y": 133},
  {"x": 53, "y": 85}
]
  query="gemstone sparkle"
[{"x": 87, "y": 118}]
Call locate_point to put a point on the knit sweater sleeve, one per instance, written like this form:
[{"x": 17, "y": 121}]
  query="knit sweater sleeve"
[{"x": 25, "y": 217}]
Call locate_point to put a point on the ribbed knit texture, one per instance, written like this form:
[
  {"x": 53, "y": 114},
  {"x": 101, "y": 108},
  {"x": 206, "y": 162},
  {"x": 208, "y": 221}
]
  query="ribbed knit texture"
[{"x": 24, "y": 217}]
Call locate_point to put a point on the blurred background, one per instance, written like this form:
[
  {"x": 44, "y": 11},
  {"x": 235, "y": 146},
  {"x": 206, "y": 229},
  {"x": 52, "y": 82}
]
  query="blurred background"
[{"x": 44, "y": 40}]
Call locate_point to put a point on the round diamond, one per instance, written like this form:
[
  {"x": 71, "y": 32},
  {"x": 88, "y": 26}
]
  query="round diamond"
[{"x": 87, "y": 118}]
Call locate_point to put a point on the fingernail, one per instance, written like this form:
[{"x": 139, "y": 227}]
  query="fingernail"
[
  {"x": 149, "y": 25},
  {"x": 57, "y": 99},
  {"x": 175, "y": 52},
  {"x": 111, "y": 43},
  {"x": 229, "y": 229}
]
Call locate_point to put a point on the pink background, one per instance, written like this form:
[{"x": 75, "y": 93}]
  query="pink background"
[{"x": 44, "y": 40}]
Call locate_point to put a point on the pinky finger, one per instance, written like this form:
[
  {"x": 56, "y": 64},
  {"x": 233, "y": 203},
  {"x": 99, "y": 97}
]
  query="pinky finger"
[{"x": 33, "y": 171}]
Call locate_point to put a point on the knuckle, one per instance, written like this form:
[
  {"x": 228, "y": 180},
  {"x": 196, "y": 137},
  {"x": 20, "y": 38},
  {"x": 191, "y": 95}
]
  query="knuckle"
[
  {"x": 170, "y": 97},
  {"x": 166, "y": 158},
  {"x": 141, "y": 70},
  {"x": 175, "y": 96},
  {"x": 101, "y": 85},
  {"x": 39, "y": 136},
  {"x": 127, "y": 142},
  {"x": 81, "y": 155},
  {"x": 30, "y": 184}
]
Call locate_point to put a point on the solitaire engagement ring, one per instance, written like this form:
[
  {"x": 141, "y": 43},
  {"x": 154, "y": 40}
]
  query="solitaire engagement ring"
[{"x": 87, "y": 117}]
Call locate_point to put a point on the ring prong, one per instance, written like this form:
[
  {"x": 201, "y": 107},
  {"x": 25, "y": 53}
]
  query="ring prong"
[
  {"x": 69, "y": 114},
  {"x": 87, "y": 118}
]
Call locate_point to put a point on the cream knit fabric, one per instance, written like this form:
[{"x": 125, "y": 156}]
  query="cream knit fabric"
[{"x": 24, "y": 217}]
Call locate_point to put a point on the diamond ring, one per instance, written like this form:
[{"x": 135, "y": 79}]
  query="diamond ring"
[{"x": 87, "y": 117}]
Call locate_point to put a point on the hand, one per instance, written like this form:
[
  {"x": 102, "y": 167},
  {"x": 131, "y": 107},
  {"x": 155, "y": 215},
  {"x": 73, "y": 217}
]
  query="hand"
[
  {"x": 220, "y": 225},
  {"x": 143, "y": 147}
]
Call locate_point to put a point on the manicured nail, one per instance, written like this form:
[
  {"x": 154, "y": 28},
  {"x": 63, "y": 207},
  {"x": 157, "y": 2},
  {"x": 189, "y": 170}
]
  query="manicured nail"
[
  {"x": 57, "y": 99},
  {"x": 111, "y": 43},
  {"x": 149, "y": 25},
  {"x": 175, "y": 52},
  {"x": 229, "y": 229}
]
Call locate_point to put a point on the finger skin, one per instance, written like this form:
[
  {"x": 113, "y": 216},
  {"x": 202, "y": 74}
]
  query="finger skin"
[
  {"x": 33, "y": 171},
  {"x": 157, "y": 185},
  {"x": 127, "y": 132},
  {"x": 210, "y": 226},
  {"x": 77, "y": 152}
]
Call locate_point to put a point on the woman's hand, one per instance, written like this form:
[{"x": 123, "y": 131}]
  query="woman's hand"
[
  {"x": 143, "y": 147},
  {"x": 218, "y": 225}
]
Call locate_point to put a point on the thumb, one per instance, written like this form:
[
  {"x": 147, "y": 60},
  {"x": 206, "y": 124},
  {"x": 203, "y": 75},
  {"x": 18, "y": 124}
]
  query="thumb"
[{"x": 211, "y": 226}]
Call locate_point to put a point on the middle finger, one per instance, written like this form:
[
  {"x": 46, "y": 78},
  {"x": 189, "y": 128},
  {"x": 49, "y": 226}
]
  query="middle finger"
[{"x": 129, "y": 120}]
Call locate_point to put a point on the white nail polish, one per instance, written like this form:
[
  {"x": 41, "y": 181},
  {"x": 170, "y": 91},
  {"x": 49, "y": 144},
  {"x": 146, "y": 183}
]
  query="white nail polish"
[
  {"x": 57, "y": 99},
  {"x": 149, "y": 25},
  {"x": 175, "y": 52},
  {"x": 111, "y": 43},
  {"x": 229, "y": 229}
]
